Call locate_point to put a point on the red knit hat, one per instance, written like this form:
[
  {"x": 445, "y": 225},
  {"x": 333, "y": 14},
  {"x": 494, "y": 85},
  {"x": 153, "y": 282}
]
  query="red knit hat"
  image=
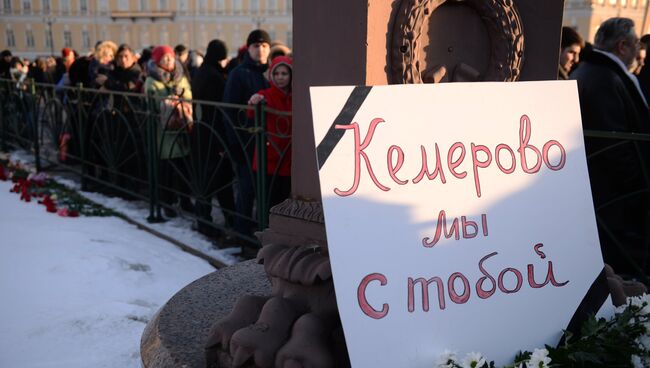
[{"x": 160, "y": 51}]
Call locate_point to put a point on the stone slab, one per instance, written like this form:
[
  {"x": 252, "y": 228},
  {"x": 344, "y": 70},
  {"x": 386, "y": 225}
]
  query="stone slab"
[{"x": 175, "y": 337}]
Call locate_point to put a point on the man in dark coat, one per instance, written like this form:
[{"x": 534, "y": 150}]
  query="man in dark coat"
[
  {"x": 5, "y": 60},
  {"x": 611, "y": 100},
  {"x": 208, "y": 133},
  {"x": 245, "y": 80}
]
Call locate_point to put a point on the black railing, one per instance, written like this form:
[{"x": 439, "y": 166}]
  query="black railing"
[
  {"x": 620, "y": 183},
  {"x": 194, "y": 158}
]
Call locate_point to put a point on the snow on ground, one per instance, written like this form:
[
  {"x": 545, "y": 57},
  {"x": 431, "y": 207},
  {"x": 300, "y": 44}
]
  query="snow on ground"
[
  {"x": 178, "y": 228},
  {"x": 77, "y": 292}
]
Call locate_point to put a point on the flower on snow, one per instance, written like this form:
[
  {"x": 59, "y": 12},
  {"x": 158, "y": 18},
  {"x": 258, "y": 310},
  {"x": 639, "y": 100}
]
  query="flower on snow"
[
  {"x": 539, "y": 359},
  {"x": 473, "y": 360},
  {"x": 446, "y": 360}
]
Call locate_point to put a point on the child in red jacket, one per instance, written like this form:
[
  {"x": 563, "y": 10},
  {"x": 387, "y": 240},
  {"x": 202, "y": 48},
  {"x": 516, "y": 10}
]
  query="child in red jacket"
[{"x": 278, "y": 130}]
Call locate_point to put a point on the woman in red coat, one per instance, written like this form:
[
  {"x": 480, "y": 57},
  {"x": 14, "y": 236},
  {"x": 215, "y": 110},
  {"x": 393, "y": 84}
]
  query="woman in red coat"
[{"x": 278, "y": 130}]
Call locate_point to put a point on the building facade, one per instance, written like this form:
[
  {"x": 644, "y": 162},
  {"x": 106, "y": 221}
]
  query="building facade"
[
  {"x": 585, "y": 16},
  {"x": 32, "y": 28}
]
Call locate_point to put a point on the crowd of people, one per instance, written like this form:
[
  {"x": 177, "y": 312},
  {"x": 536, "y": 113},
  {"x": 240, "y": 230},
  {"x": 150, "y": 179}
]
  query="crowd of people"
[
  {"x": 614, "y": 88},
  {"x": 612, "y": 78},
  {"x": 261, "y": 71}
]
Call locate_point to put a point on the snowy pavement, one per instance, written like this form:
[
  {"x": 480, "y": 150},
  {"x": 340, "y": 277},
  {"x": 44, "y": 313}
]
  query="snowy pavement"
[
  {"x": 178, "y": 228},
  {"x": 77, "y": 292}
]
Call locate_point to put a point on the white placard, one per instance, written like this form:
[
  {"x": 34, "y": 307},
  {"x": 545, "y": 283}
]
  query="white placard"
[{"x": 504, "y": 164}]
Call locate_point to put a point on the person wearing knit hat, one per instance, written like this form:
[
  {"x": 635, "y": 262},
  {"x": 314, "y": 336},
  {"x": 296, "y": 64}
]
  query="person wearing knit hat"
[
  {"x": 207, "y": 140},
  {"x": 166, "y": 82},
  {"x": 243, "y": 81},
  {"x": 258, "y": 36},
  {"x": 278, "y": 129},
  {"x": 68, "y": 57},
  {"x": 159, "y": 53}
]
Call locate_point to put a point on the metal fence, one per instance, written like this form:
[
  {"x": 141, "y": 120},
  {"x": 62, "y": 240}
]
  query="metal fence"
[
  {"x": 620, "y": 184},
  {"x": 204, "y": 164},
  {"x": 215, "y": 163}
]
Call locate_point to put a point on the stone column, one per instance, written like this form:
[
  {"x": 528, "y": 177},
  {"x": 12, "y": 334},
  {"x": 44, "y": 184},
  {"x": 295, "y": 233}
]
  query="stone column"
[{"x": 349, "y": 42}]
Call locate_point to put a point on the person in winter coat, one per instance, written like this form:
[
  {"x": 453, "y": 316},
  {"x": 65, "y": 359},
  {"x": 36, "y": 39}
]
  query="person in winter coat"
[
  {"x": 5, "y": 60},
  {"x": 126, "y": 75},
  {"x": 278, "y": 130},
  {"x": 208, "y": 135},
  {"x": 246, "y": 79},
  {"x": 102, "y": 64},
  {"x": 166, "y": 83},
  {"x": 611, "y": 100}
]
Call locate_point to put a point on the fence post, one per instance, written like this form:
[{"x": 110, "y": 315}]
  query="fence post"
[
  {"x": 82, "y": 137},
  {"x": 33, "y": 116},
  {"x": 152, "y": 162},
  {"x": 260, "y": 144},
  {"x": 3, "y": 128}
]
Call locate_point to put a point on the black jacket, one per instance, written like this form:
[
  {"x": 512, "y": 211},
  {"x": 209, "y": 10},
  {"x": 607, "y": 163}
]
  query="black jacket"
[
  {"x": 209, "y": 84},
  {"x": 125, "y": 80},
  {"x": 609, "y": 101},
  {"x": 244, "y": 81}
]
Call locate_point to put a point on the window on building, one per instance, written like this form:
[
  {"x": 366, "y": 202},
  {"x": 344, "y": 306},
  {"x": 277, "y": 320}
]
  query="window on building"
[
  {"x": 67, "y": 38},
  {"x": 144, "y": 36},
  {"x": 290, "y": 39},
  {"x": 83, "y": 6},
  {"x": 103, "y": 6},
  {"x": 203, "y": 6},
  {"x": 220, "y": 6},
  {"x": 612, "y": 2},
  {"x": 65, "y": 6},
  {"x": 271, "y": 6},
  {"x": 623, "y": 3},
  {"x": 6, "y": 5},
  {"x": 203, "y": 36},
  {"x": 123, "y": 5},
  {"x": 182, "y": 6},
  {"x": 237, "y": 5},
  {"x": 272, "y": 34},
  {"x": 255, "y": 6},
  {"x": 164, "y": 36},
  {"x": 11, "y": 39},
  {"x": 27, "y": 6},
  {"x": 85, "y": 39},
  {"x": 144, "y": 5},
  {"x": 288, "y": 6},
  {"x": 29, "y": 38},
  {"x": 48, "y": 39},
  {"x": 46, "y": 6},
  {"x": 162, "y": 5}
]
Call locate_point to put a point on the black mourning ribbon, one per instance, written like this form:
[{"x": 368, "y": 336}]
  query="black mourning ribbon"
[
  {"x": 590, "y": 304},
  {"x": 333, "y": 136}
]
